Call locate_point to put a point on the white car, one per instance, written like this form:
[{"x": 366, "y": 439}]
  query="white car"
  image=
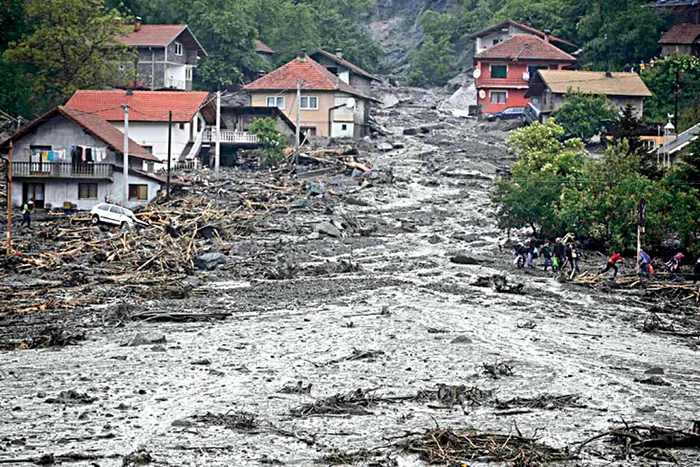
[{"x": 113, "y": 214}]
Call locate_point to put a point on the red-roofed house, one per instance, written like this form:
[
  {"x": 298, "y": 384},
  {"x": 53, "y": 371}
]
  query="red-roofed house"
[
  {"x": 683, "y": 39},
  {"x": 324, "y": 109},
  {"x": 504, "y": 70},
  {"x": 265, "y": 51},
  {"x": 68, "y": 155},
  {"x": 167, "y": 54},
  {"x": 347, "y": 71},
  {"x": 148, "y": 117}
]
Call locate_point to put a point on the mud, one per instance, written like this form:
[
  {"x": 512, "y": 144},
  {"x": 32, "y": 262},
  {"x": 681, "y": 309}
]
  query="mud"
[{"x": 389, "y": 314}]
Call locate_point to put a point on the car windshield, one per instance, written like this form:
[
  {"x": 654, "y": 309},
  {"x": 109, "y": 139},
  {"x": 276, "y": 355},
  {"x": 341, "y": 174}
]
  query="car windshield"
[
  {"x": 103, "y": 207},
  {"x": 128, "y": 212},
  {"x": 116, "y": 210}
]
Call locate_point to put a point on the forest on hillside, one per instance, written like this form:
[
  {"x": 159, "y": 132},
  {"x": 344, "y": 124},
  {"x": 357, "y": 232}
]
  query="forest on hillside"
[{"x": 49, "y": 48}]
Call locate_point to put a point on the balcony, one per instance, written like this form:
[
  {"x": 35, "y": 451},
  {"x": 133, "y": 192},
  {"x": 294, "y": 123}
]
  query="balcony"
[
  {"x": 505, "y": 83},
  {"x": 62, "y": 170},
  {"x": 172, "y": 83},
  {"x": 229, "y": 137}
]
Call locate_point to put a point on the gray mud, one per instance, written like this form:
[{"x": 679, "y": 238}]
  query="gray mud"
[{"x": 414, "y": 311}]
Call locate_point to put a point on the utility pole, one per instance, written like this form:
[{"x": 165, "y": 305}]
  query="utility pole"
[
  {"x": 217, "y": 150},
  {"x": 298, "y": 123},
  {"x": 676, "y": 92},
  {"x": 170, "y": 142},
  {"x": 641, "y": 223},
  {"x": 126, "y": 154},
  {"x": 9, "y": 201}
]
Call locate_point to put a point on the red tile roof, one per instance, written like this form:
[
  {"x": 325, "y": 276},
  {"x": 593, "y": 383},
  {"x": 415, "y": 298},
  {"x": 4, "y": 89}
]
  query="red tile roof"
[
  {"x": 146, "y": 106},
  {"x": 93, "y": 124},
  {"x": 524, "y": 27},
  {"x": 525, "y": 47},
  {"x": 684, "y": 34},
  {"x": 157, "y": 35},
  {"x": 314, "y": 76},
  {"x": 346, "y": 64},
  {"x": 261, "y": 47}
]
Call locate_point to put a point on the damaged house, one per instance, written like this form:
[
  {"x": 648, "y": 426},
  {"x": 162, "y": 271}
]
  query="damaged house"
[{"x": 72, "y": 158}]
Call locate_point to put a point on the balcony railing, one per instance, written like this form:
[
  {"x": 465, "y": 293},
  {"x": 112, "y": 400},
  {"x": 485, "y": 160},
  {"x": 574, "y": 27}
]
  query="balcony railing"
[
  {"x": 503, "y": 82},
  {"x": 175, "y": 83},
  {"x": 62, "y": 170},
  {"x": 229, "y": 136}
]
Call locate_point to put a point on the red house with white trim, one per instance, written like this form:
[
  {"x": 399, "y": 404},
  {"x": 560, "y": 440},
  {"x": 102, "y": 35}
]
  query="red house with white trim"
[{"x": 504, "y": 71}]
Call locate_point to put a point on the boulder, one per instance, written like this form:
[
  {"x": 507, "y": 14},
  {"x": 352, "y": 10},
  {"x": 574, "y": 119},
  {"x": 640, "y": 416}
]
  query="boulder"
[
  {"x": 143, "y": 339},
  {"x": 209, "y": 261},
  {"x": 464, "y": 259},
  {"x": 328, "y": 229},
  {"x": 384, "y": 147}
]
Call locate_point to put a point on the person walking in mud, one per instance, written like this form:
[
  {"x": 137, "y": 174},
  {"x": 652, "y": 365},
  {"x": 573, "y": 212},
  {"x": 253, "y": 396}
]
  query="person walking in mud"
[
  {"x": 644, "y": 263},
  {"x": 696, "y": 271},
  {"x": 547, "y": 255},
  {"x": 573, "y": 256},
  {"x": 27, "y": 214},
  {"x": 673, "y": 265},
  {"x": 560, "y": 254},
  {"x": 612, "y": 264}
]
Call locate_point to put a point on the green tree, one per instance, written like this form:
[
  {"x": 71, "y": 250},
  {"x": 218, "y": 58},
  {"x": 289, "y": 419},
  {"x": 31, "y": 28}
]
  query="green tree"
[
  {"x": 585, "y": 115},
  {"x": 628, "y": 127},
  {"x": 271, "y": 141},
  {"x": 433, "y": 63},
  {"x": 661, "y": 81},
  {"x": 73, "y": 45}
]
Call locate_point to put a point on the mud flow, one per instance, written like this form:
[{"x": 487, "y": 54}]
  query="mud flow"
[{"x": 371, "y": 317}]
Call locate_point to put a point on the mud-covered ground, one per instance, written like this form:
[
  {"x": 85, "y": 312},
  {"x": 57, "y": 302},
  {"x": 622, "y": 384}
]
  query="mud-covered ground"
[{"x": 406, "y": 320}]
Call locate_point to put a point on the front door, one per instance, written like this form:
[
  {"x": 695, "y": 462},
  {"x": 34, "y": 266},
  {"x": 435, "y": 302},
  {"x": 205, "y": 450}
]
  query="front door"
[{"x": 36, "y": 192}]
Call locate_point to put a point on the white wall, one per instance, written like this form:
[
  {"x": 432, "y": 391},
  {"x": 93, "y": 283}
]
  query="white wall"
[
  {"x": 155, "y": 134},
  {"x": 58, "y": 191}
]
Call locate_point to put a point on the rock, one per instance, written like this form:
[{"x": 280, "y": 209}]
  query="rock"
[
  {"x": 203, "y": 361},
  {"x": 299, "y": 204},
  {"x": 385, "y": 147},
  {"x": 654, "y": 381},
  {"x": 411, "y": 131},
  {"x": 209, "y": 261},
  {"x": 158, "y": 348},
  {"x": 316, "y": 189},
  {"x": 654, "y": 371},
  {"x": 71, "y": 397},
  {"x": 434, "y": 239},
  {"x": 398, "y": 145},
  {"x": 182, "y": 423},
  {"x": 328, "y": 229},
  {"x": 461, "y": 340},
  {"x": 143, "y": 339},
  {"x": 646, "y": 409},
  {"x": 463, "y": 259}
]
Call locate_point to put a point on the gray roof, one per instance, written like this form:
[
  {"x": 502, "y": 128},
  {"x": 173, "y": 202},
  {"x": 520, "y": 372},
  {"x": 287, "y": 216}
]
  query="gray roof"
[{"x": 684, "y": 139}]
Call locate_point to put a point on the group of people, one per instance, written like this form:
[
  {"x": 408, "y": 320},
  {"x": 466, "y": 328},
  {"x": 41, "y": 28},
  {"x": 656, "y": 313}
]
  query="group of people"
[
  {"x": 556, "y": 256},
  {"x": 567, "y": 252}
]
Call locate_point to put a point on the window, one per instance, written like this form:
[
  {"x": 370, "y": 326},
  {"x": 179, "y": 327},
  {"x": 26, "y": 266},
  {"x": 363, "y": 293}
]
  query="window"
[
  {"x": 182, "y": 126},
  {"x": 308, "y": 130},
  {"x": 308, "y": 103},
  {"x": 148, "y": 148},
  {"x": 178, "y": 48},
  {"x": 138, "y": 192},
  {"x": 495, "y": 41},
  {"x": 275, "y": 101},
  {"x": 188, "y": 74},
  {"x": 117, "y": 209},
  {"x": 87, "y": 190},
  {"x": 499, "y": 71},
  {"x": 344, "y": 127},
  {"x": 498, "y": 97}
]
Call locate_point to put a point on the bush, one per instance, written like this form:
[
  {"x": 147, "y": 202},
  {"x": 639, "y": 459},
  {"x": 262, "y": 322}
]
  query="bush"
[{"x": 271, "y": 141}]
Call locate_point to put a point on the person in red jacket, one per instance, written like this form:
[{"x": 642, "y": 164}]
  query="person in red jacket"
[{"x": 612, "y": 264}]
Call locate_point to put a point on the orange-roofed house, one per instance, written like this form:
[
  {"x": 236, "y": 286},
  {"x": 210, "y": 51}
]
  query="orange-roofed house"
[
  {"x": 503, "y": 71},
  {"x": 328, "y": 106},
  {"x": 167, "y": 54},
  {"x": 347, "y": 71},
  {"x": 193, "y": 115},
  {"x": 72, "y": 157}
]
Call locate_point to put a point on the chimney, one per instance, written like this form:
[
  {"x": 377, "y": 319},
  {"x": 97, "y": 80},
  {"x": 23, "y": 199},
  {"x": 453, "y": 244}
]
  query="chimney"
[
  {"x": 137, "y": 24},
  {"x": 301, "y": 55},
  {"x": 547, "y": 33},
  {"x": 608, "y": 74},
  {"x": 339, "y": 53},
  {"x": 129, "y": 92}
]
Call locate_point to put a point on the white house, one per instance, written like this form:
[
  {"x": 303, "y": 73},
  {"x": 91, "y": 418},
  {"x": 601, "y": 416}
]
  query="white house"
[
  {"x": 148, "y": 118},
  {"x": 71, "y": 156}
]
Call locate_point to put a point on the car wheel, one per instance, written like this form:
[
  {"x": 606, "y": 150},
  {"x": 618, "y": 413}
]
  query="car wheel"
[
  {"x": 95, "y": 219},
  {"x": 497, "y": 119}
]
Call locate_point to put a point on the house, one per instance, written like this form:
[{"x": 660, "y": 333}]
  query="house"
[
  {"x": 348, "y": 72},
  {"x": 265, "y": 51},
  {"x": 504, "y": 71},
  {"x": 498, "y": 33},
  {"x": 677, "y": 146},
  {"x": 328, "y": 106},
  {"x": 682, "y": 39},
  {"x": 68, "y": 155},
  {"x": 167, "y": 54},
  {"x": 680, "y": 11},
  {"x": 193, "y": 115},
  {"x": 549, "y": 88}
]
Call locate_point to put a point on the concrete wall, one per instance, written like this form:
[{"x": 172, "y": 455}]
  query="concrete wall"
[
  {"x": 155, "y": 134},
  {"x": 361, "y": 83},
  {"x": 154, "y": 70},
  {"x": 670, "y": 49},
  {"x": 58, "y": 191},
  {"x": 319, "y": 118}
]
